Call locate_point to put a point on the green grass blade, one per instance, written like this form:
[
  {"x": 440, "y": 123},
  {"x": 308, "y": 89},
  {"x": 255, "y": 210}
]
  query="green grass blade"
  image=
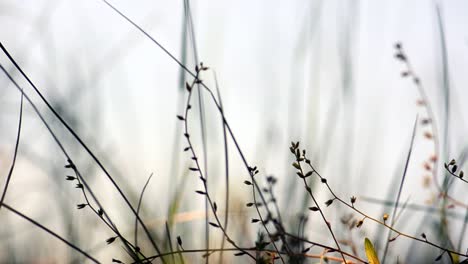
[{"x": 370, "y": 252}]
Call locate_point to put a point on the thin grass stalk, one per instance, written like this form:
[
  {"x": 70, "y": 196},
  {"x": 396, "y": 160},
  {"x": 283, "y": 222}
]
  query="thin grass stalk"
[
  {"x": 294, "y": 148},
  {"x": 175, "y": 156},
  {"x": 15, "y": 153},
  {"x": 201, "y": 112},
  {"x": 383, "y": 223},
  {"x": 62, "y": 148},
  {"x": 169, "y": 241},
  {"x": 446, "y": 92},
  {"x": 402, "y": 182},
  {"x": 432, "y": 121},
  {"x": 80, "y": 141},
  {"x": 138, "y": 209},
  {"x": 50, "y": 232},
  {"x": 211, "y": 95},
  {"x": 226, "y": 167},
  {"x": 332, "y": 249},
  {"x": 445, "y": 76},
  {"x": 197, "y": 167},
  {"x": 311, "y": 256}
]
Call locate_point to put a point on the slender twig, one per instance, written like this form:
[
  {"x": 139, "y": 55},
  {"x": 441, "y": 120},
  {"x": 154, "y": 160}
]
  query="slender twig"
[
  {"x": 197, "y": 167},
  {"x": 330, "y": 249},
  {"x": 279, "y": 221},
  {"x": 401, "y": 55},
  {"x": 129, "y": 247},
  {"x": 81, "y": 142},
  {"x": 295, "y": 150},
  {"x": 435, "y": 135},
  {"x": 452, "y": 169},
  {"x": 313, "y": 256},
  {"x": 255, "y": 190},
  {"x": 383, "y": 223},
  {"x": 65, "y": 153},
  {"x": 201, "y": 113},
  {"x": 231, "y": 134}
]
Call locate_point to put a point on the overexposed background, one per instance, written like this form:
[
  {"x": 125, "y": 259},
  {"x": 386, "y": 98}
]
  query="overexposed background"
[{"x": 321, "y": 72}]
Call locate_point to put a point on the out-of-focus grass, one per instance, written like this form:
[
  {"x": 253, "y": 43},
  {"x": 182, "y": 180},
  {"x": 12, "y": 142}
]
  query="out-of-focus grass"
[{"x": 324, "y": 117}]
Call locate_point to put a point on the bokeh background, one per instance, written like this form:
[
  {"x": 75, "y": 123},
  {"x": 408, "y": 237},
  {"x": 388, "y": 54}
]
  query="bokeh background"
[{"x": 319, "y": 72}]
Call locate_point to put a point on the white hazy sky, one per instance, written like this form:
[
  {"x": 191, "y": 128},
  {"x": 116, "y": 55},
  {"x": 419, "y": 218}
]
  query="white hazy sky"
[{"x": 281, "y": 67}]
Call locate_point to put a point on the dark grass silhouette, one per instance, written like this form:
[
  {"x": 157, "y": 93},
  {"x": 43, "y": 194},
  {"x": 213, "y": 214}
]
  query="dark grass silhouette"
[{"x": 275, "y": 243}]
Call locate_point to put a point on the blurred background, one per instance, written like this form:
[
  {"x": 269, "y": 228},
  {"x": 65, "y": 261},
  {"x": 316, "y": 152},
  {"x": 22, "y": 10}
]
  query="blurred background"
[{"x": 319, "y": 72}]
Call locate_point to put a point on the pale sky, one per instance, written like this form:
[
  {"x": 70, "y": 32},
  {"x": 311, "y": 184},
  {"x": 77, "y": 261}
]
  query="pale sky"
[{"x": 281, "y": 68}]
